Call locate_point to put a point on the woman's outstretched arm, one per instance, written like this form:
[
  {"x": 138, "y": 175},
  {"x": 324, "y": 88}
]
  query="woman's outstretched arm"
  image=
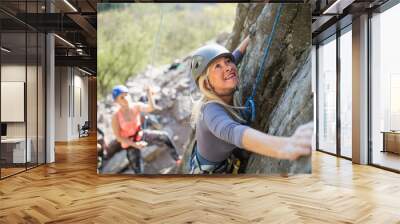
[
  {"x": 240, "y": 50},
  {"x": 299, "y": 144},
  {"x": 221, "y": 124},
  {"x": 150, "y": 106},
  {"x": 243, "y": 45}
]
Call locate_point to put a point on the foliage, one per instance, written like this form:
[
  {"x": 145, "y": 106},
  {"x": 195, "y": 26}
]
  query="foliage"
[{"x": 129, "y": 38}]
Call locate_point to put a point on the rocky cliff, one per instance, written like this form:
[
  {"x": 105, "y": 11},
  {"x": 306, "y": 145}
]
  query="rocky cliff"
[{"x": 283, "y": 99}]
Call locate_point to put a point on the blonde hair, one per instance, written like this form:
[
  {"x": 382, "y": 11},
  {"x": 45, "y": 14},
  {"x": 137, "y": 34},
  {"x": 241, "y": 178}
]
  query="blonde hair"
[{"x": 208, "y": 96}]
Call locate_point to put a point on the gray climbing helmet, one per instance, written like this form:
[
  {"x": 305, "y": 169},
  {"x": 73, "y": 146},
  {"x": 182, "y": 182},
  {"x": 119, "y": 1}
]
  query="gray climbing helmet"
[{"x": 203, "y": 56}]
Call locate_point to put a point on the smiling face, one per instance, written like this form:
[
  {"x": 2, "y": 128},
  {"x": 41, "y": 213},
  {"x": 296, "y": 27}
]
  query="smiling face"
[
  {"x": 222, "y": 75},
  {"x": 123, "y": 100}
]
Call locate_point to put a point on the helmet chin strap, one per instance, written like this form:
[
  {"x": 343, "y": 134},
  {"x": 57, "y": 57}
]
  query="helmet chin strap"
[{"x": 212, "y": 89}]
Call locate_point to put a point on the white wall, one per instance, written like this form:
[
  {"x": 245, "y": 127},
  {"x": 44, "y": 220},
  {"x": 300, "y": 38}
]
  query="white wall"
[
  {"x": 33, "y": 127},
  {"x": 81, "y": 100},
  {"x": 61, "y": 103},
  {"x": 70, "y": 84},
  {"x": 12, "y": 73}
]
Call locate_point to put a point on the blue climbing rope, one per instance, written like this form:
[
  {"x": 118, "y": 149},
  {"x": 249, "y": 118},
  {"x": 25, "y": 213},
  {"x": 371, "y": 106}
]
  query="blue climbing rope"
[{"x": 249, "y": 112}]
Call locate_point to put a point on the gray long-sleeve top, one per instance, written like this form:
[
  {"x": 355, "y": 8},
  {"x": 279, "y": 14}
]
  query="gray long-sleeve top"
[{"x": 217, "y": 133}]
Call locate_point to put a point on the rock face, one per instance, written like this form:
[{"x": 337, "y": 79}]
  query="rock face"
[{"x": 283, "y": 98}]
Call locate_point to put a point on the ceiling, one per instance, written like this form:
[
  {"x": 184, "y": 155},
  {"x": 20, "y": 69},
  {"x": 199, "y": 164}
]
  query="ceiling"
[
  {"x": 73, "y": 21},
  {"x": 332, "y": 15}
]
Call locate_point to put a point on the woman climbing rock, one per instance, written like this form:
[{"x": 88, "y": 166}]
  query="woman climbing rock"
[
  {"x": 126, "y": 125},
  {"x": 220, "y": 128}
]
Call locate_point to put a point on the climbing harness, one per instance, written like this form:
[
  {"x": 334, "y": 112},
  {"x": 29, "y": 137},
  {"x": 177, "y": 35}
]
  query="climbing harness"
[
  {"x": 249, "y": 113},
  {"x": 235, "y": 164}
]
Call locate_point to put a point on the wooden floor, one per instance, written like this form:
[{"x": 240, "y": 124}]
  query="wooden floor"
[
  {"x": 387, "y": 159},
  {"x": 10, "y": 171},
  {"x": 70, "y": 191}
]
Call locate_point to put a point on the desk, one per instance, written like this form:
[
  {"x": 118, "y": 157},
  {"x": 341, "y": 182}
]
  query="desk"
[
  {"x": 13, "y": 150},
  {"x": 391, "y": 141}
]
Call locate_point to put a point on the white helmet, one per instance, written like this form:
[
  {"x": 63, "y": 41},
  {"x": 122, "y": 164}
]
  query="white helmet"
[{"x": 203, "y": 57}]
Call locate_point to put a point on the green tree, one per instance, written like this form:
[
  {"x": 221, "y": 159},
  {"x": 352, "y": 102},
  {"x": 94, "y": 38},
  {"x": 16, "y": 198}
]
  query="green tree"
[{"x": 130, "y": 37}]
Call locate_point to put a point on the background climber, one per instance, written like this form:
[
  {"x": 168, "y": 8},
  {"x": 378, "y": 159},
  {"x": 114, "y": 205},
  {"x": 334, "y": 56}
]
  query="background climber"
[{"x": 126, "y": 125}]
